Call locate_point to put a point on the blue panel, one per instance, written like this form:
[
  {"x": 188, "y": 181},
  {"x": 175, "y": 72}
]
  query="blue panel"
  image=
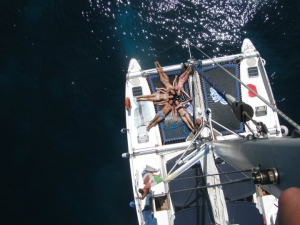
[
  {"x": 243, "y": 213},
  {"x": 221, "y": 111}
]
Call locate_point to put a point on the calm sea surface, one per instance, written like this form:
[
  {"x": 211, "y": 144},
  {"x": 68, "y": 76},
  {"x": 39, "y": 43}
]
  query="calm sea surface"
[{"x": 62, "y": 74}]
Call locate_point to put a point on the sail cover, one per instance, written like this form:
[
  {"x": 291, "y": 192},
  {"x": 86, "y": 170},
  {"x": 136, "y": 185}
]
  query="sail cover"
[
  {"x": 244, "y": 213},
  {"x": 187, "y": 180},
  {"x": 235, "y": 191},
  {"x": 190, "y": 179}
]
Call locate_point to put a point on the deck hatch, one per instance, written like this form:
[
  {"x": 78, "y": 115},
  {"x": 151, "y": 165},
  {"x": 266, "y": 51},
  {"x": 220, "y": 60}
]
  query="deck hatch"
[
  {"x": 137, "y": 91},
  {"x": 161, "y": 203},
  {"x": 142, "y": 135},
  {"x": 253, "y": 71}
]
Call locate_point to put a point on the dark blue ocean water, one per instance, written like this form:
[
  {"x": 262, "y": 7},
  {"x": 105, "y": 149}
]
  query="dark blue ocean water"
[{"x": 62, "y": 74}]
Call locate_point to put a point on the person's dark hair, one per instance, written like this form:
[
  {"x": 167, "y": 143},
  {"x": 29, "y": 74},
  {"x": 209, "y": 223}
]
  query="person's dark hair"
[{"x": 141, "y": 191}]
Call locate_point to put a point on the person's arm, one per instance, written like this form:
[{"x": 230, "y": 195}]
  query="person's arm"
[
  {"x": 174, "y": 81},
  {"x": 288, "y": 207},
  {"x": 160, "y": 103},
  {"x": 170, "y": 97},
  {"x": 161, "y": 89},
  {"x": 146, "y": 189},
  {"x": 182, "y": 89},
  {"x": 174, "y": 114},
  {"x": 145, "y": 193},
  {"x": 182, "y": 103},
  {"x": 146, "y": 179}
]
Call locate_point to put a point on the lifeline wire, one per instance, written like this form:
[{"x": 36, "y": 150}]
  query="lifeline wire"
[
  {"x": 207, "y": 175},
  {"x": 209, "y": 186}
]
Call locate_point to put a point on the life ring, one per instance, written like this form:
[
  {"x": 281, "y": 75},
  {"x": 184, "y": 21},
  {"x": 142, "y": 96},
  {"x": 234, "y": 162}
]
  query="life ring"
[
  {"x": 284, "y": 130},
  {"x": 127, "y": 103}
]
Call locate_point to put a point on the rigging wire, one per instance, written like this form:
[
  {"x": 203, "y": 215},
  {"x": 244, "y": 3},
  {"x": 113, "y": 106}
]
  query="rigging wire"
[
  {"x": 156, "y": 55},
  {"x": 209, "y": 186},
  {"x": 165, "y": 50},
  {"x": 294, "y": 124},
  {"x": 207, "y": 175},
  {"x": 233, "y": 132}
]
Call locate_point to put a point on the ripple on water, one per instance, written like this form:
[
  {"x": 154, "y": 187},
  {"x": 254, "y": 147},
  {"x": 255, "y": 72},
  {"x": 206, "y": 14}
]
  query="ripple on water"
[{"x": 208, "y": 24}]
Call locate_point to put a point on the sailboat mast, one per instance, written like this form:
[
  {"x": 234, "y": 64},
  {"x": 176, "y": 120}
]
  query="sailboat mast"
[{"x": 187, "y": 165}]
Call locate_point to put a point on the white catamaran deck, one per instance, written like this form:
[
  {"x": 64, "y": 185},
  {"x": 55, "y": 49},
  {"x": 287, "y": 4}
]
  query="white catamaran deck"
[{"x": 165, "y": 142}]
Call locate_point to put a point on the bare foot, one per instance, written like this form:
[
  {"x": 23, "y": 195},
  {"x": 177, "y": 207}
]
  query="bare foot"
[{"x": 198, "y": 123}]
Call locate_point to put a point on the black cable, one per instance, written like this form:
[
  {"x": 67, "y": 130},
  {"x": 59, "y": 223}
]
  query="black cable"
[
  {"x": 209, "y": 186},
  {"x": 238, "y": 171}
]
